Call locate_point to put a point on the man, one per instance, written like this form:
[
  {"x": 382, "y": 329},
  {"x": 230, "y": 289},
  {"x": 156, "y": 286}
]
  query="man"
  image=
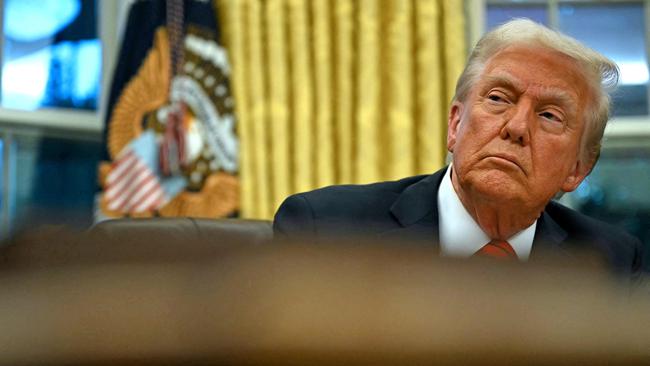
[{"x": 526, "y": 123}]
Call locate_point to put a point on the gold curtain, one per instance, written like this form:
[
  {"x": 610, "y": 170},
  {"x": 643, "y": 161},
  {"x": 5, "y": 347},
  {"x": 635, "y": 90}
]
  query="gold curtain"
[{"x": 339, "y": 91}]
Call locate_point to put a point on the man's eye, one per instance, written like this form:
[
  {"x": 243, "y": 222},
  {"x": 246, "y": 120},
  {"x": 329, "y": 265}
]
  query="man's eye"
[
  {"x": 495, "y": 98},
  {"x": 551, "y": 116}
]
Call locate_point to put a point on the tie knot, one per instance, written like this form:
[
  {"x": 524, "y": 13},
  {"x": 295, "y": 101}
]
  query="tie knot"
[{"x": 497, "y": 249}]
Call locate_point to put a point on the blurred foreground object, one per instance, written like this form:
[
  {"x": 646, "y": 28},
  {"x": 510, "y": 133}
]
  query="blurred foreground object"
[{"x": 303, "y": 304}]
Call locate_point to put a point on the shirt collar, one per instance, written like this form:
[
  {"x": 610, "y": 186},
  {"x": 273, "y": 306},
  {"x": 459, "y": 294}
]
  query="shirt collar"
[{"x": 461, "y": 236}]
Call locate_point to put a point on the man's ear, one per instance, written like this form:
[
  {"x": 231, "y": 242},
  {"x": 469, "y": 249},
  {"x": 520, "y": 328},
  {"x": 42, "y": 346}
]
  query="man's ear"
[
  {"x": 576, "y": 176},
  {"x": 453, "y": 124}
]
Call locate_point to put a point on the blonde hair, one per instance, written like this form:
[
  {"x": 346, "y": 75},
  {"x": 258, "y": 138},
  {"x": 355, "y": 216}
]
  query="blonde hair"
[{"x": 600, "y": 72}]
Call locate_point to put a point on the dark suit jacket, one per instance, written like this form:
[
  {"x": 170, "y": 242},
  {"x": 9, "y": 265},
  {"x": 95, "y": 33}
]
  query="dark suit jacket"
[{"x": 406, "y": 210}]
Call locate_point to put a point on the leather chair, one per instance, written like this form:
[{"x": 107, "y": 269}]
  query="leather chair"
[{"x": 129, "y": 240}]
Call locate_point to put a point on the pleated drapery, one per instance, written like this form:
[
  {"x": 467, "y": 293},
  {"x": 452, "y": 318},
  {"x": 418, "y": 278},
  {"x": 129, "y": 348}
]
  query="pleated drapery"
[{"x": 339, "y": 91}]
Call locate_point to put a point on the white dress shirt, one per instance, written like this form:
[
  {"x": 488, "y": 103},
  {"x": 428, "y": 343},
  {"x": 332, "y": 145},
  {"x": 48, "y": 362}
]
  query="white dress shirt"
[{"x": 461, "y": 236}]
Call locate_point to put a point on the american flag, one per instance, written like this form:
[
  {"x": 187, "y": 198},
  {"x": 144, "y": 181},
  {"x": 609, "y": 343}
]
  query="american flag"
[
  {"x": 134, "y": 183},
  {"x": 131, "y": 186}
]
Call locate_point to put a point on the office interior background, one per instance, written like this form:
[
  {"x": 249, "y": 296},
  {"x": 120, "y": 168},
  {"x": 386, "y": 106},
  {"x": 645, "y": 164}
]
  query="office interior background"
[{"x": 57, "y": 61}]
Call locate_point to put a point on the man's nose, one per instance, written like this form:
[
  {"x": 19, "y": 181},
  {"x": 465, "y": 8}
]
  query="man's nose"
[{"x": 518, "y": 123}]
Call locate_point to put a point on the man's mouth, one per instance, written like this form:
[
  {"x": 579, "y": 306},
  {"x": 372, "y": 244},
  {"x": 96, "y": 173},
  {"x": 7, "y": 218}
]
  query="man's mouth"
[{"x": 507, "y": 159}]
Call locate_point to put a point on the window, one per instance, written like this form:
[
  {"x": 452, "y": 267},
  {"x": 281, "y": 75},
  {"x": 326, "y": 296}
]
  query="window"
[
  {"x": 54, "y": 56},
  {"x": 51, "y": 55},
  {"x": 4, "y": 199},
  {"x": 616, "y": 29},
  {"x": 617, "y": 190},
  {"x": 54, "y": 181},
  {"x": 501, "y": 13}
]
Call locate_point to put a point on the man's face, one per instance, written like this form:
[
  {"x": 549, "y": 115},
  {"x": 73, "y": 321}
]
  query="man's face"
[{"x": 517, "y": 136}]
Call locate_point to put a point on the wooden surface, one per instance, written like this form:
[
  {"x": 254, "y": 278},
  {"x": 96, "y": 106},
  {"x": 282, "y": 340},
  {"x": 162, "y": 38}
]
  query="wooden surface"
[{"x": 320, "y": 305}]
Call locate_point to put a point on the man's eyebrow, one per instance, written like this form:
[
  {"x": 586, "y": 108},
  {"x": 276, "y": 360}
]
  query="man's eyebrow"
[
  {"x": 561, "y": 97},
  {"x": 503, "y": 80},
  {"x": 550, "y": 94}
]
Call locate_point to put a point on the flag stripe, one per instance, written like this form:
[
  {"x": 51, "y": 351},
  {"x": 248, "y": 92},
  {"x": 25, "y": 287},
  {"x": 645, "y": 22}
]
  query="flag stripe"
[
  {"x": 158, "y": 203},
  {"x": 117, "y": 180},
  {"x": 143, "y": 193},
  {"x": 144, "y": 188},
  {"x": 122, "y": 186},
  {"x": 151, "y": 202},
  {"x": 120, "y": 166},
  {"x": 127, "y": 198},
  {"x": 128, "y": 202},
  {"x": 128, "y": 181},
  {"x": 132, "y": 186}
]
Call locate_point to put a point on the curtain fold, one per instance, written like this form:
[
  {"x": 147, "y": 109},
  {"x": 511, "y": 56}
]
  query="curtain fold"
[
  {"x": 278, "y": 99},
  {"x": 258, "y": 123},
  {"x": 323, "y": 91},
  {"x": 344, "y": 53},
  {"x": 398, "y": 74},
  {"x": 339, "y": 91}
]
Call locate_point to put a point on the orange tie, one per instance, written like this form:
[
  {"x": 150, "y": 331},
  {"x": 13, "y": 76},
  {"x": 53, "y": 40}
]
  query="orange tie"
[{"x": 497, "y": 249}]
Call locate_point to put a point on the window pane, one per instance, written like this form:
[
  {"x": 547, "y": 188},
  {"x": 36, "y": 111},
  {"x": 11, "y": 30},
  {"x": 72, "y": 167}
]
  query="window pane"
[
  {"x": 499, "y": 14},
  {"x": 616, "y": 30},
  {"x": 55, "y": 181},
  {"x": 2, "y": 183},
  {"x": 617, "y": 191},
  {"x": 51, "y": 54}
]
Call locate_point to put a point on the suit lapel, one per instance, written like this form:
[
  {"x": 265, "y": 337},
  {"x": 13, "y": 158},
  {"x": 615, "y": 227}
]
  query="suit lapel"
[
  {"x": 416, "y": 211},
  {"x": 549, "y": 238}
]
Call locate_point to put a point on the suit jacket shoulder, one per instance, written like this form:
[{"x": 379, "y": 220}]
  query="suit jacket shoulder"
[
  {"x": 406, "y": 211},
  {"x": 622, "y": 250},
  {"x": 341, "y": 210}
]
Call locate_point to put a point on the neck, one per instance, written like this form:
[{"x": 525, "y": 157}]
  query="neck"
[{"x": 497, "y": 218}]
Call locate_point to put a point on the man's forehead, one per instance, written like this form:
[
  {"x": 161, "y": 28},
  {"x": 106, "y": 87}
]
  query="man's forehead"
[
  {"x": 549, "y": 60},
  {"x": 548, "y": 70},
  {"x": 535, "y": 51}
]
